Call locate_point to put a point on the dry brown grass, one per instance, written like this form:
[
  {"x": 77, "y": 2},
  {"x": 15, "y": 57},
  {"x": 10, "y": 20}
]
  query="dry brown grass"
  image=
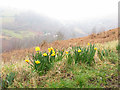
[{"x": 26, "y": 78}]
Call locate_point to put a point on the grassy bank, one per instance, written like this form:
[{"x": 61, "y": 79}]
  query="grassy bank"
[{"x": 102, "y": 72}]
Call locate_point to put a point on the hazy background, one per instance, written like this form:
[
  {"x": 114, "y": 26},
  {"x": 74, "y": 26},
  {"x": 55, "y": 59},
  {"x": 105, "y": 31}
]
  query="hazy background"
[{"x": 26, "y": 23}]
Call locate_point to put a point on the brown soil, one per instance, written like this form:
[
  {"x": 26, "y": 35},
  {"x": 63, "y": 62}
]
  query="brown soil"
[{"x": 93, "y": 38}]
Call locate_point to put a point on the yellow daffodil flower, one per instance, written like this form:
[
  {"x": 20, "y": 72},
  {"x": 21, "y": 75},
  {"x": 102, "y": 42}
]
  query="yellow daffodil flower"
[
  {"x": 53, "y": 54},
  {"x": 66, "y": 52},
  {"x": 45, "y": 54},
  {"x": 95, "y": 48},
  {"x": 27, "y": 61},
  {"x": 51, "y": 48},
  {"x": 88, "y": 44},
  {"x": 79, "y": 51},
  {"x": 53, "y": 51},
  {"x": 37, "y": 62},
  {"x": 37, "y": 49}
]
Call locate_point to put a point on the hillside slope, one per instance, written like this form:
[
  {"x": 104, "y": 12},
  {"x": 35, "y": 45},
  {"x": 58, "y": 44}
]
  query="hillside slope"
[{"x": 93, "y": 38}]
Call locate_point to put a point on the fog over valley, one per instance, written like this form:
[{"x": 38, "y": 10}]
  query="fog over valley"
[
  {"x": 28, "y": 20},
  {"x": 47, "y": 21}
]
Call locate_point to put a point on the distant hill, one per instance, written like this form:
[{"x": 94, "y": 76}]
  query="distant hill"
[{"x": 30, "y": 21}]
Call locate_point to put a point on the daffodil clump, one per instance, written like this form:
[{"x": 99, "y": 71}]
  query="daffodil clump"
[
  {"x": 42, "y": 62},
  {"x": 84, "y": 55}
]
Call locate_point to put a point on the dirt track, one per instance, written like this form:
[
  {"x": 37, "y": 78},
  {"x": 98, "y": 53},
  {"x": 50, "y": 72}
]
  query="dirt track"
[{"x": 93, "y": 38}]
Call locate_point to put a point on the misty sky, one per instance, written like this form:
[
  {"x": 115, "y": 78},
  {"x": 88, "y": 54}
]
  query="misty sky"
[{"x": 66, "y": 9}]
